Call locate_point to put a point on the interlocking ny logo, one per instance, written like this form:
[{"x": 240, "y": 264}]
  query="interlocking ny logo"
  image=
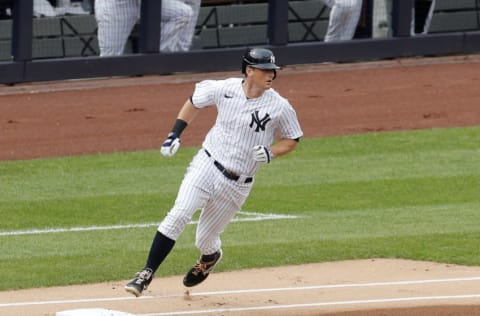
[{"x": 261, "y": 122}]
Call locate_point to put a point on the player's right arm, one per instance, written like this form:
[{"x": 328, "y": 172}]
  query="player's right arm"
[
  {"x": 188, "y": 112},
  {"x": 186, "y": 115},
  {"x": 203, "y": 96}
]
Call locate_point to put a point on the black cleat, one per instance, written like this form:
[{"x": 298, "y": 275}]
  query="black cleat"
[
  {"x": 140, "y": 283},
  {"x": 200, "y": 271}
]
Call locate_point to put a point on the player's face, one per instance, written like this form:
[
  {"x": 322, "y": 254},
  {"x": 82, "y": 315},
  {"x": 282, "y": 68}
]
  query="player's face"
[{"x": 262, "y": 78}]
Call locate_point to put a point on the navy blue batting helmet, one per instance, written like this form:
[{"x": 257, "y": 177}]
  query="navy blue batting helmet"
[{"x": 261, "y": 58}]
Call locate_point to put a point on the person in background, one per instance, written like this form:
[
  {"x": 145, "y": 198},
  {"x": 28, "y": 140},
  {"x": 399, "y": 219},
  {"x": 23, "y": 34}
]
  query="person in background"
[
  {"x": 51, "y": 8},
  {"x": 116, "y": 19},
  {"x": 422, "y": 13},
  {"x": 6, "y": 9},
  {"x": 343, "y": 19}
]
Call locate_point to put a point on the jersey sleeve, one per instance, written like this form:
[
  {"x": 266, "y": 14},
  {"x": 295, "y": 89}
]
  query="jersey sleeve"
[
  {"x": 289, "y": 125},
  {"x": 204, "y": 93}
]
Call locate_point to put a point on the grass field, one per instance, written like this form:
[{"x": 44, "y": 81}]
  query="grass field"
[{"x": 413, "y": 195}]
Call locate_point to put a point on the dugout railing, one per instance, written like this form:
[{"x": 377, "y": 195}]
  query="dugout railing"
[{"x": 292, "y": 29}]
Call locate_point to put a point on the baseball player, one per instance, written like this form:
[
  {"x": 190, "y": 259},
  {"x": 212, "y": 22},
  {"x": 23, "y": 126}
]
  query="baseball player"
[
  {"x": 116, "y": 19},
  {"x": 343, "y": 19},
  {"x": 220, "y": 176}
]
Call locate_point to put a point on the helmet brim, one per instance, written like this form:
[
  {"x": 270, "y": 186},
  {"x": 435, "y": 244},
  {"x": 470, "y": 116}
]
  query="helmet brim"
[{"x": 268, "y": 66}]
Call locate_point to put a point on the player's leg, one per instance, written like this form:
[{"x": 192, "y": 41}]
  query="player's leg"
[
  {"x": 194, "y": 192},
  {"x": 218, "y": 213},
  {"x": 381, "y": 19},
  {"x": 343, "y": 20},
  {"x": 115, "y": 20},
  {"x": 192, "y": 195},
  {"x": 213, "y": 220},
  {"x": 175, "y": 18}
]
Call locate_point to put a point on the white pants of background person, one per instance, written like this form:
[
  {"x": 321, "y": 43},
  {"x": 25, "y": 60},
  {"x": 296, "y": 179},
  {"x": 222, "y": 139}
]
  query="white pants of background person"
[
  {"x": 116, "y": 19},
  {"x": 343, "y": 19},
  {"x": 428, "y": 20},
  {"x": 189, "y": 30},
  {"x": 382, "y": 19},
  {"x": 43, "y": 8}
]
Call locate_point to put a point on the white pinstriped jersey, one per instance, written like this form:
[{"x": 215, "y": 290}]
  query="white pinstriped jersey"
[{"x": 243, "y": 123}]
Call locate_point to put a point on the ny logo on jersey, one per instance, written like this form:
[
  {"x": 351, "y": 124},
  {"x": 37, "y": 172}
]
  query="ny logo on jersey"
[{"x": 261, "y": 122}]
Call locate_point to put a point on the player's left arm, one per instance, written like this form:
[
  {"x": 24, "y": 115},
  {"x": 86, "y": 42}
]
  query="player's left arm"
[
  {"x": 265, "y": 154},
  {"x": 289, "y": 131},
  {"x": 283, "y": 147}
]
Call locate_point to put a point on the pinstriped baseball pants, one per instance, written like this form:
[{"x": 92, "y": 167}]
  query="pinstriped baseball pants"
[
  {"x": 205, "y": 188},
  {"x": 116, "y": 19},
  {"x": 343, "y": 20}
]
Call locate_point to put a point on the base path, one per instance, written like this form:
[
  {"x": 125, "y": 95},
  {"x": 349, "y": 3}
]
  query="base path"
[{"x": 371, "y": 287}]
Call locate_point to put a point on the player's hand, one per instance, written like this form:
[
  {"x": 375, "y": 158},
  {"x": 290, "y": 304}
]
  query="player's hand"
[
  {"x": 262, "y": 154},
  {"x": 170, "y": 145}
]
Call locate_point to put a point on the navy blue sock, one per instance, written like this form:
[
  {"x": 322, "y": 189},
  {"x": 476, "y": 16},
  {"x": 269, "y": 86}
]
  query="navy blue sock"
[{"x": 160, "y": 249}]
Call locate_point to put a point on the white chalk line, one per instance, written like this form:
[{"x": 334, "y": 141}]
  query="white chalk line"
[
  {"x": 250, "y": 217},
  {"x": 310, "y": 305},
  {"x": 249, "y": 291}
]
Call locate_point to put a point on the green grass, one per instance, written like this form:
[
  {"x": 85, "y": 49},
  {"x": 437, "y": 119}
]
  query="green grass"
[{"x": 412, "y": 195}]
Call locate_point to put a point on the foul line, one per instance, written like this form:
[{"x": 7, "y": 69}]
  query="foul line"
[
  {"x": 309, "y": 305},
  {"x": 251, "y": 217},
  {"x": 303, "y": 288}
]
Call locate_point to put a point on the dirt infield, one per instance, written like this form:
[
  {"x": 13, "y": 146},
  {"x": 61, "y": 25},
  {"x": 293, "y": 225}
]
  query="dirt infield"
[
  {"x": 365, "y": 287},
  {"x": 91, "y": 116},
  {"x": 124, "y": 114}
]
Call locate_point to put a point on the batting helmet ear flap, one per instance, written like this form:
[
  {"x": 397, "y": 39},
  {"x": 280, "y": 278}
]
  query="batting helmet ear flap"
[
  {"x": 244, "y": 68},
  {"x": 244, "y": 61}
]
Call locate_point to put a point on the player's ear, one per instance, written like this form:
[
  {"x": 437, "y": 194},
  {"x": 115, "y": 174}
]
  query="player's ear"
[{"x": 249, "y": 70}]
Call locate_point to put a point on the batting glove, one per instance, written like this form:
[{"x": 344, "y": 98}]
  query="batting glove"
[
  {"x": 170, "y": 145},
  {"x": 262, "y": 154}
]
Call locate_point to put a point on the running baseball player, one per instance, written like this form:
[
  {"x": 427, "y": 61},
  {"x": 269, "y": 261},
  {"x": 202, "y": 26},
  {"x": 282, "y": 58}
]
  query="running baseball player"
[
  {"x": 116, "y": 19},
  {"x": 343, "y": 19},
  {"x": 220, "y": 176}
]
